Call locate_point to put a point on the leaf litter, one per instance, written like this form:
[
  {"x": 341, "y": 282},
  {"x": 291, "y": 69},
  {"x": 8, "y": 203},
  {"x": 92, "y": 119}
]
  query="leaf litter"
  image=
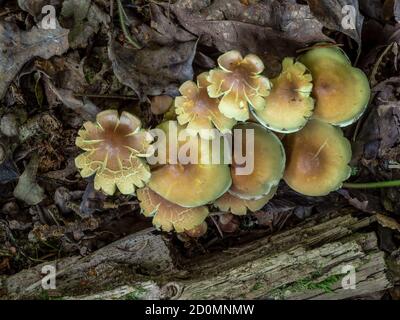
[{"x": 51, "y": 81}]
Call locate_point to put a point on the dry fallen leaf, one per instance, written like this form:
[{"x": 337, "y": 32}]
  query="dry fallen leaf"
[
  {"x": 336, "y": 16},
  {"x": 388, "y": 222},
  {"x": 153, "y": 71},
  {"x": 273, "y": 29},
  {"x": 83, "y": 18},
  {"x": 34, "y": 7},
  {"x": 27, "y": 188},
  {"x": 17, "y": 47}
]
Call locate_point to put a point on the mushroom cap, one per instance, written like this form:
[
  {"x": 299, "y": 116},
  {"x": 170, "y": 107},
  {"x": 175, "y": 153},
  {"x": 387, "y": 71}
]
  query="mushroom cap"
[
  {"x": 198, "y": 231},
  {"x": 289, "y": 105},
  {"x": 190, "y": 185},
  {"x": 168, "y": 216},
  {"x": 239, "y": 207},
  {"x": 200, "y": 112},
  {"x": 317, "y": 159},
  {"x": 161, "y": 104},
  {"x": 269, "y": 163},
  {"x": 114, "y": 150},
  {"x": 342, "y": 92},
  {"x": 239, "y": 82}
]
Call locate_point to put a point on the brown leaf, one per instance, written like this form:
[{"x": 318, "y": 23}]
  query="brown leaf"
[
  {"x": 388, "y": 222},
  {"x": 380, "y": 134},
  {"x": 372, "y": 8},
  {"x": 18, "y": 47},
  {"x": 83, "y": 18},
  {"x": 27, "y": 188},
  {"x": 34, "y": 7},
  {"x": 331, "y": 14},
  {"x": 153, "y": 71},
  {"x": 84, "y": 107},
  {"x": 272, "y": 29}
]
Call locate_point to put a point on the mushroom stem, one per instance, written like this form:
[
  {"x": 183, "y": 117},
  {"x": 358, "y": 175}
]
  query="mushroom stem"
[{"x": 372, "y": 185}]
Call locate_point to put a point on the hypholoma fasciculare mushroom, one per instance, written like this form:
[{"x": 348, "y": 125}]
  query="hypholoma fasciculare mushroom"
[
  {"x": 189, "y": 185},
  {"x": 168, "y": 216},
  {"x": 177, "y": 194},
  {"x": 341, "y": 91},
  {"x": 239, "y": 83},
  {"x": 115, "y": 147},
  {"x": 289, "y": 105},
  {"x": 200, "y": 112},
  {"x": 268, "y": 159},
  {"x": 318, "y": 159}
]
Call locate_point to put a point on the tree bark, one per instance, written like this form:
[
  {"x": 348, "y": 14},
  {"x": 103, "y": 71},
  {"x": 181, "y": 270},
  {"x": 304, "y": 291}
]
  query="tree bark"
[{"x": 305, "y": 262}]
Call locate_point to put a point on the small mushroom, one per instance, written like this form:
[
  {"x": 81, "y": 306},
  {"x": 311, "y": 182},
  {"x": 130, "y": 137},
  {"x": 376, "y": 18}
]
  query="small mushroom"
[
  {"x": 289, "y": 106},
  {"x": 115, "y": 147},
  {"x": 200, "y": 112},
  {"x": 228, "y": 223},
  {"x": 168, "y": 216},
  {"x": 318, "y": 159},
  {"x": 239, "y": 207},
  {"x": 239, "y": 82},
  {"x": 161, "y": 104},
  {"x": 342, "y": 92},
  {"x": 190, "y": 184},
  {"x": 266, "y": 159}
]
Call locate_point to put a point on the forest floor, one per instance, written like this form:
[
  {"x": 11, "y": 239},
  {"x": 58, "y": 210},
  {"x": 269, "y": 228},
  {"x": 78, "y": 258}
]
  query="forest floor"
[{"x": 51, "y": 81}]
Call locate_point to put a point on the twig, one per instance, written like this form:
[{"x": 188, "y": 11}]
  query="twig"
[
  {"x": 105, "y": 96},
  {"x": 217, "y": 226},
  {"x": 122, "y": 19}
]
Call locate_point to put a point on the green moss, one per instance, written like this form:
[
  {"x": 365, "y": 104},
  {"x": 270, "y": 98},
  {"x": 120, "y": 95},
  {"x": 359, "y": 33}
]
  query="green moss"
[
  {"x": 257, "y": 286},
  {"x": 137, "y": 294},
  {"x": 305, "y": 285}
]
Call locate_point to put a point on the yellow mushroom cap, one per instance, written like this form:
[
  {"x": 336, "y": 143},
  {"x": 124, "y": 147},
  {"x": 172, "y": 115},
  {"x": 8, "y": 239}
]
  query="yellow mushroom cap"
[
  {"x": 267, "y": 157},
  {"x": 317, "y": 159},
  {"x": 239, "y": 82},
  {"x": 237, "y": 206},
  {"x": 114, "y": 147},
  {"x": 342, "y": 92},
  {"x": 289, "y": 105},
  {"x": 200, "y": 112},
  {"x": 168, "y": 216},
  {"x": 190, "y": 185}
]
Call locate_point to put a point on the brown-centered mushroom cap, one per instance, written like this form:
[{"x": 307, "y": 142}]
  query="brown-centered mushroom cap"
[
  {"x": 289, "y": 105},
  {"x": 341, "y": 92},
  {"x": 239, "y": 83},
  {"x": 318, "y": 159},
  {"x": 200, "y": 112},
  {"x": 189, "y": 185},
  {"x": 114, "y": 150}
]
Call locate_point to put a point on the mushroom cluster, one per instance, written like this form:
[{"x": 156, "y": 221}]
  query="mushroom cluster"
[{"x": 306, "y": 104}]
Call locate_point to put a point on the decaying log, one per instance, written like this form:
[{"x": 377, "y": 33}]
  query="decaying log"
[{"x": 309, "y": 261}]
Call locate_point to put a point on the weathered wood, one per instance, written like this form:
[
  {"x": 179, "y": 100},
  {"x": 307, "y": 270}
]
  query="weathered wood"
[
  {"x": 305, "y": 262},
  {"x": 141, "y": 253}
]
